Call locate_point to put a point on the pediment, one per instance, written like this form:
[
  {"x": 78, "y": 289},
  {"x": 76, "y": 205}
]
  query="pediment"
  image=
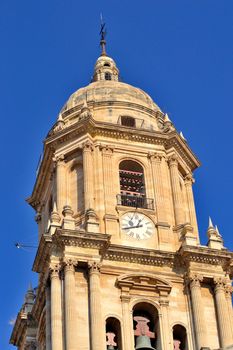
[{"x": 144, "y": 281}]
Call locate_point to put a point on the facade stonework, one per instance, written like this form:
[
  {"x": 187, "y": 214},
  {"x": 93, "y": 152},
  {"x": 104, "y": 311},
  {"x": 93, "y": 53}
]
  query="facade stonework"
[{"x": 119, "y": 258}]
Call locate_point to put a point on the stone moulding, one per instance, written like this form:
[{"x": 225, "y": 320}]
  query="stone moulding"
[
  {"x": 139, "y": 256},
  {"x": 42, "y": 253},
  {"x": 143, "y": 282},
  {"x": 205, "y": 255}
]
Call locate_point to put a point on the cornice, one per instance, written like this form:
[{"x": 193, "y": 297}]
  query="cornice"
[
  {"x": 81, "y": 239},
  {"x": 205, "y": 255},
  {"x": 139, "y": 256},
  {"x": 42, "y": 254}
]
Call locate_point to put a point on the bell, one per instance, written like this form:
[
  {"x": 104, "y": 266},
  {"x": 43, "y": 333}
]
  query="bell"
[{"x": 143, "y": 343}]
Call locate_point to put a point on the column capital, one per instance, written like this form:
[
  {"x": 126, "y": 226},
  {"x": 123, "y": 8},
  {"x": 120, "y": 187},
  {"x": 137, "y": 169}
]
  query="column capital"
[
  {"x": 220, "y": 284},
  {"x": 155, "y": 157},
  {"x": 189, "y": 180},
  {"x": 88, "y": 146},
  {"x": 229, "y": 291},
  {"x": 173, "y": 160},
  {"x": 55, "y": 270},
  {"x": 195, "y": 280},
  {"x": 69, "y": 264},
  {"x": 59, "y": 159},
  {"x": 107, "y": 150},
  {"x": 94, "y": 267}
]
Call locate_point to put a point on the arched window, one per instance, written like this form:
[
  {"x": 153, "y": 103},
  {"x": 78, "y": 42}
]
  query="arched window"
[
  {"x": 106, "y": 64},
  {"x": 179, "y": 337},
  {"x": 128, "y": 121},
  {"x": 146, "y": 325},
  {"x": 113, "y": 334},
  {"x": 132, "y": 186},
  {"x": 108, "y": 76}
]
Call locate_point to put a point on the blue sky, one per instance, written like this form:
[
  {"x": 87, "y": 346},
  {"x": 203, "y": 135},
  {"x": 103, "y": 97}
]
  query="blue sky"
[{"x": 179, "y": 51}]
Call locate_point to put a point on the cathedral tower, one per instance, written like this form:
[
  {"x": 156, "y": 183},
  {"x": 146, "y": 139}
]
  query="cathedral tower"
[{"x": 119, "y": 259}]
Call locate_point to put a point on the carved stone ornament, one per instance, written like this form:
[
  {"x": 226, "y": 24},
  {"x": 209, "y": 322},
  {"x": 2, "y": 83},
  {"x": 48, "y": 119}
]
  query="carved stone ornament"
[
  {"x": 155, "y": 157},
  {"x": 85, "y": 112},
  {"x": 173, "y": 160},
  {"x": 67, "y": 211},
  {"x": 229, "y": 291},
  {"x": 70, "y": 264},
  {"x": 55, "y": 270},
  {"x": 94, "y": 267},
  {"x": 146, "y": 282},
  {"x": 88, "y": 146},
  {"x": 58, "y": 159},
  {"x": 195, "y": 280},
  {"x": 220, "y": 283},
  {"x": 107, "y": 150},
  {"x": 189, "y": 180}
]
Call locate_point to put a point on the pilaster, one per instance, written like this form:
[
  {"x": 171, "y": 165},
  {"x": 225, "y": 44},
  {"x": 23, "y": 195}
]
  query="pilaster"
[
  {"x": 176, "y": 192},
  {"x": 189, "y": 180},
  {"x": 198, "y": 310},
  {"x": 224, "y": 321},
  {"x": 61, "y": 195},
  {"x": 70, "y": 305},
  {"x": 97, "y": 324},
  {"x": 158, "y": 184},
  {"x": 88, "y": 175},
  {"x": 56, "y": 308}
]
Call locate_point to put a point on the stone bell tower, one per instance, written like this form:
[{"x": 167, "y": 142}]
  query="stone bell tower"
[{"x": 119, "y": 259}]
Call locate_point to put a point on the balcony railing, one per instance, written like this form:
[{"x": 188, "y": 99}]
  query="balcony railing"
[{"x": 135, "y": 201}]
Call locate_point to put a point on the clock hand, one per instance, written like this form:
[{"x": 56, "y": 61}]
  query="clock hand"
[{"x": 128, "y": 228}]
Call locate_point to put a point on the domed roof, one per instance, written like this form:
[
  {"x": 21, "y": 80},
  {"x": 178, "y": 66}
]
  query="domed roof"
[
  {"x": 110, "y": 91},
  {"x": 106, "y": 88}
]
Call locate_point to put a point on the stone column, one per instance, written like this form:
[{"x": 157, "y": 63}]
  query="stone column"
[
  {"x": 191, "y": 206},
  {"x": 128, "y": 336},
  {"x": 97, "y": 324},
  {"x": 60, "y": 183},
  {"x": 224, "y": 325},
  {"x": 176, "y": 191},
  {"x": 88, "y": 175},
  {"x": 56, "y": 309},
  {"x": 107, "y": 152},
  {"x": 48, "y": 316},
  {"x": 156, "y": 159},
  {"x": 198, "y": 311},
  {"x": 229, "y": 291},
  {"x": 70, "y": 306},
  {"x": 164, "y": 319}
]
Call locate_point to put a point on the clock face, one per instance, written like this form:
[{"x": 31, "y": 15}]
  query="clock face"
[{"x": 137, "y": 225}]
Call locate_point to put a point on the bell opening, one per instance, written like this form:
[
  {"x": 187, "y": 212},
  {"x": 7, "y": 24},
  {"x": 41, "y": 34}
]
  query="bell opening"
[{"x": 146, "y": 326}]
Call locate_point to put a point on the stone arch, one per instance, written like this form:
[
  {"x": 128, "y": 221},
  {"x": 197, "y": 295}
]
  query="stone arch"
[
  {"x": 113, "y": 331},
  {"x": 146, "y": 325},
  {"x": 180, "y": 336}
]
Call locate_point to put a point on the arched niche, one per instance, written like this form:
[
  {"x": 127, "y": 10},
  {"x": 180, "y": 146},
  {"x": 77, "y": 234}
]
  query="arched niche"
[
  {"x": 113, "y": 333},
  {"x": 132, "y": 184},
  {"x": 145, "y": 324},
  {"x": 179, "y": 337}
]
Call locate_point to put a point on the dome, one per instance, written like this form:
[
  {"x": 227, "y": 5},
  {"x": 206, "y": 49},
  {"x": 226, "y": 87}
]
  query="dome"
[
  {"x": 108, "y": 98},
  {"x": 105, "y": 91}
]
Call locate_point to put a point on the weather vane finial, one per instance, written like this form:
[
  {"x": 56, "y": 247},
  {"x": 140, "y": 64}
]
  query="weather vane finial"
[{"x": 103, "y": 33}]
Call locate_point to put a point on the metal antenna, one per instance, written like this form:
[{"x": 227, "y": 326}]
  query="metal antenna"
[
  {"x": 20, "y": 245},
  {"x": 103, "y": 33}
]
